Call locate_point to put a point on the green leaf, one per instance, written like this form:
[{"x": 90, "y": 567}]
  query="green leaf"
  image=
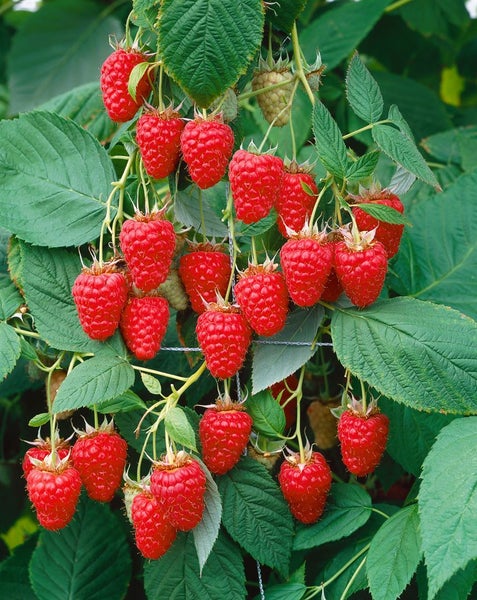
[
  {"x": 123, "y": 403},
  {"x": 10, "y": 297},
  {"x": 363, "y": 167},
  {"x": 129, "y": 421},
  {"x": 347, "y": 509},
  {"x": 179, "y": 428},
  {"x": 362, "y": 91},
  {"x": 70, "y": 42},
  {"x": 435, "y": 16},
  {"x": 394, "y": 554},
  {"x": 415, "y": 352},
  {"x": 383, "y": 213},
  {"x": 151, "y": 383},
  {"x": 135, "y": 77},
  {"x": 187, "y": 210},
  {"x": 177, "y": 576},
  {"x": 438, "y": 256},
  {"x": 95, "y": 380},
  {"x": 451, "y": 146},
  {"x": 396, "y": 117},
  {"x": 281, "y": 355},
  {"x": 256, "y": 515},
  {"x": 55, "y": 179},
  {"x": 207, "y": 44},
  {"x": 10, "y": 349},
  {"x": 285, "y": 591},
  {"x": 329, "y": 145},
  {"x": 267, "y": 414},
  {"x": 39, "y": 420},
  {"x": 88, "y": 560},
  {"x": 144, "y": 13},
  {"x": 284, "y": 13},
  {"x": 448, "y": 502},
  {"x": 403, "y": 151},
  {"x": 14, "y": 580}
]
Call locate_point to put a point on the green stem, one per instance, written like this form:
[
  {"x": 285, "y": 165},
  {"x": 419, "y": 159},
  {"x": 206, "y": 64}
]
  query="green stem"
[
  {"x": 159, "y": 373},
  {"x": 379, "y": 512},
  {"x": 396, "y": 5},
  {"x": 268, "y": 88},
  {"x": 27, "y": 333},
  {"x": 365, "y": 128},
  {"x": 299, "y": 396},
  {"x": 363, "y": 396},
  {"x": 95, "y": 417},
  {"x": 317, "y": 202},
  {"x": 299, "y": 71},
  {"x": 352, "y": 578},
  {"x": 202, "y": 217}
]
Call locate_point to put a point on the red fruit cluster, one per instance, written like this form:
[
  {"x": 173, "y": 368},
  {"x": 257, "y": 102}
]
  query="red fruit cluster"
[
  {"x": 297, "y": 198},
  {"x": 40, "y": 450}
]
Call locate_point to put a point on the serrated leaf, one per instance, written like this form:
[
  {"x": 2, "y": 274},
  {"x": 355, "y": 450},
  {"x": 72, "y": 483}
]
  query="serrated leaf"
[
  {"x": 397, "y": 118},
  {"x": 176, "y": 574},
  {"x": 363, "y": 92},
  {"x": 281, "y": 355},
  {"x": 329, "y": 145},
  {"x": 267, "y": 414},
  {"x": 14, "y": 580},
  {"x": 207, "y": 44},
  {"x": 39, "y": 420},
  {"x": 179, "y": 428},
  {"x": 123, "y": 403},
  {"x": 10, "y": 349},
  {"x": 401, "y": 181},
  {"x": 27, "y": 350},
  {"x": 404, "y": 152},
  {"x": 383, "y": 213},
  {"x": 415, "y": 352},
  {"x": 285, "y": 591},
  {"x": 151, "y": 383},
  {"x": 187, "y": 210},
  {"x": 88, "y": 560},
  {"x": 394, "y": 554},
  {"x": 448, "y": 526},
  {"x": 348, "y": 508},
  {"x": 10, "y": 297},
  {"x": 95, "y": 380},
  {"x": 450, "y": 146},
  {"x": 363, "y": 167},
  {"x": 256, "y": 515},
  {"x": 55, "y": 178}
]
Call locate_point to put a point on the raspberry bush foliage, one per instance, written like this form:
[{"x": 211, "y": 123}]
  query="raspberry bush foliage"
[{"x": 238, "y": 300}]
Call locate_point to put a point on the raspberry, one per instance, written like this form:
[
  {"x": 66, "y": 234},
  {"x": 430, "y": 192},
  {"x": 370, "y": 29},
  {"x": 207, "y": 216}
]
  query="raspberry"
[
  {"x": 41, "y": 449},
  {"x": 274, "y": 103},
  {"x": 54, "y": 487},
  {"x": 100, "y": 293},
  {"x": 305, "y": 485},
  {"x": 173, "y": 291},
  {"x": 282, "y": 390},
  {"x": 224, "y": 336},
  {"x": 99, "y": 456},
  {"x": 255, "y": 181},
  {"x": 158, "y": 135},
  {"x": 204, "y": 271},
  {"x": 262, "y": 295},
  {"x": 388, "y": 234},
  {"x": 148, "y": 244},
  {"x": 363, "y": 436},
  {"x": 295, "y": 203},
  {"x": 224, "y": 430},
  {"x": 144, "y": 324},
  {"x": 306, "y": 260},
  {"x": 361, "y": 266},
  {"x": 154, "y": 534},
  {"x": 207, "y": 145},
  {"x": 179, "y": 487},
  {"x": 114, "y": 79}
]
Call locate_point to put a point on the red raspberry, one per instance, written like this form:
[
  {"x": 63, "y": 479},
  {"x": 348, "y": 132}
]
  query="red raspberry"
[
  {"x": 295, "y": 202},
  {"x": 54, "y": 487},
  {"x": 144, "y": 324},
  {"x": 283, "y": 388},
  {"x": 153, "y": 531},
  {"x": 388, "y": 234},
  {"x": 41, "y": 449},
  {"x": 224, "y": 337},
  {"x": 179, "y": 486},
  {"x": 114, "y": 79},
  {"x": 262, "y": 295},
  {"x": 99, "y": 456},
  {"x": 361, "y": 266},
  {"x": 255, "y": 181},
  {"x": 305, "y": 485},
  {"x": 224, "y": 430},
  {"x": 158, "y": 135},
  {"x": 100, "y": 293},
  {"x": 306, "y": 259},
  {"x": 148, "y": 243},
  {"x": 207, "y": 145},
  {"x": 204, "y": 271},
  {"x": 363, "y": 436}
]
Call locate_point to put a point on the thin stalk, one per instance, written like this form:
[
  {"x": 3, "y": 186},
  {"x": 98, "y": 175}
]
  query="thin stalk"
[
  {"x": 352, "y": 578},
  {"x": 396, "y": 5},
  {"x": 364, "y": 128},
  {"x": 299, "y": 70}
]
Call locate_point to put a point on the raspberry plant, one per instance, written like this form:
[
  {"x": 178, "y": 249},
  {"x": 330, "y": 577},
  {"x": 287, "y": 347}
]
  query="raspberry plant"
[{"x": 240, "y": 237}]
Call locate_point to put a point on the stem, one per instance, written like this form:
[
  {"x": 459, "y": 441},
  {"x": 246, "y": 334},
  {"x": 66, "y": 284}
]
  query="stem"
[
  {"x": 27, "y": 333},
  {"x": 396, "y": 5},
  {"x": 202, "y": 216},
  {"x": 159, "y": 91},
  {"x": 272, "y": 86},
  {"x": 317, "y": 202},
  {"x": 365, "y": 128},
  {"x": 254, "y": 252},
  {"x": 363, "y": 396},
  {"x": 379, "y": 512},
  {"x": 352, "y": 578},
  {"x": 299, "y": 396},
  {"x": 299, "y": 71},
  {"x": 159, "y": 373},
  {"x": 95, "y": 416}
]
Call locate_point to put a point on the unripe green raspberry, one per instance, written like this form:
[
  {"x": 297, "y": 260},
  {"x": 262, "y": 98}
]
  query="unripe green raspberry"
[{"x": 274, "y": 102}]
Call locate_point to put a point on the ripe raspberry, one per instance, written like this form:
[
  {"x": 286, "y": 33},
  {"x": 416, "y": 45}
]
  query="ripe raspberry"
[
  {"x": 173, "y": 291},
  {"x": 207, "y": 145},
  {"x": 386, "y": 233},
  {"x": 274, "y": 103},
  {"x": 99, "y": 456},
  {"x": 224, "y": 430},
  {"x": 100, "y": 293},
  {"x": 114, "y": 79},
  {"x": 282, "y": 390},
  {"x": 158, "y": 135},
  {"x": 54, "y": 487},
  {"x": 295, "y": 204},
  {"x": 204, "y": 271},
  {"x": 306, "y": 259},
  {"x": 224, "y": 336},
  {"x": 179, "y": 487},
  {"x": 154, "y": 534},
  {"x": 262, "y": 295},
  {"x": 305, "y": 485},
  {"x": 363, "y": 436},
  {"x": 41, "y": 449},
  {"x": 144, "y": 324},
  {"x": 148, "y": 243},
  {"x": 361, "y": 266},
  {"x": 255, "y": 181}
]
